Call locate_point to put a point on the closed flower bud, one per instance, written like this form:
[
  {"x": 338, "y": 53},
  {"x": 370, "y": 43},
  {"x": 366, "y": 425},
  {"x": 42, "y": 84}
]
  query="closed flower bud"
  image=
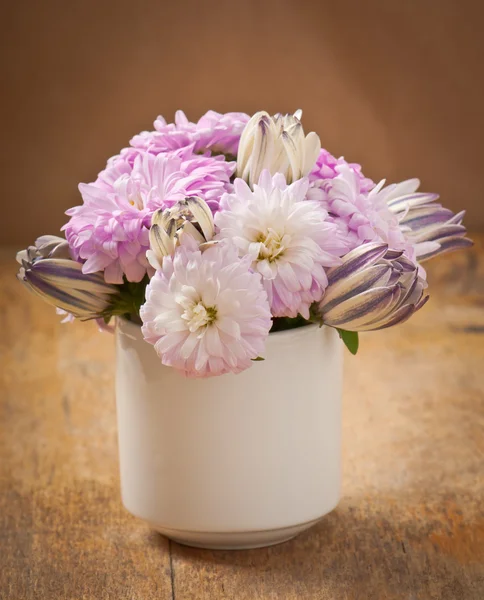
[
  {"x": 190, "y": 216},
  {"x": 277, "y": 144},
  {"x": 48, "y": 271},
  {"x": 373, "y": 288}
]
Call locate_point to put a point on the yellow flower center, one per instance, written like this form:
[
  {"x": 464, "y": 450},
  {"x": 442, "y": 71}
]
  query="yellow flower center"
[
  {"x": 272, "y": 245},
  {"x": 198, "y": 315}
]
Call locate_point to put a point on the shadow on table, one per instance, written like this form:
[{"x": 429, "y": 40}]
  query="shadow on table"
[{"x": 364, "y": 551}]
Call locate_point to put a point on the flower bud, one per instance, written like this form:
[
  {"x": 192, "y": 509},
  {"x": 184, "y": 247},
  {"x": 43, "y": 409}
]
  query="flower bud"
[
  {"x": 191, "y": 216},
  {"x": 373, "y": 288},
  {"x": 278, "y": 144},
  {"x": 48, "y": 271}
]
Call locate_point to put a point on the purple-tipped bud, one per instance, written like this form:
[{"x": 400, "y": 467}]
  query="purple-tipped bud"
[
  {"x": 48, "y": 271},
  {"x": 373, "y": 288},
  {"x": 276, "y": 144},
  {"x": 432, "y": 228}
]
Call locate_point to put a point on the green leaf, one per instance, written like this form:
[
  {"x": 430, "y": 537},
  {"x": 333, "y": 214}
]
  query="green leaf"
[
  {"x": 350, "y": 339},
  {"x": 284, "y": 323},
  {"x": 258, "y": 359}
]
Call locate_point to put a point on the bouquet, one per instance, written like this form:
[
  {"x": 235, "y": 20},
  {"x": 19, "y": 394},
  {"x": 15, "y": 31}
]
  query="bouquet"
[{"x": 212, "y": 235}]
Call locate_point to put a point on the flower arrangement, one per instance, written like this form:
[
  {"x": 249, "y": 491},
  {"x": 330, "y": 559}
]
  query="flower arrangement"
[{"x": 211, "y": 235}]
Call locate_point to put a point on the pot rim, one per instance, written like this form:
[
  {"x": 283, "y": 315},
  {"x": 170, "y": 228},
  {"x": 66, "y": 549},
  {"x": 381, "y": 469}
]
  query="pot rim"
[{"x": 302, "y": 330}]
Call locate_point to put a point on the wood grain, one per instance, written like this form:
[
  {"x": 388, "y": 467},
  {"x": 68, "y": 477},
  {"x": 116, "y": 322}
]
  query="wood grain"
[{"x": 410, "y": 525}]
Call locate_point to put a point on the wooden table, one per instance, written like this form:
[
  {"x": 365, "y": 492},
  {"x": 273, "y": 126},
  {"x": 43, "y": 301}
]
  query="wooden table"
[{"x": 410, "y": 524}]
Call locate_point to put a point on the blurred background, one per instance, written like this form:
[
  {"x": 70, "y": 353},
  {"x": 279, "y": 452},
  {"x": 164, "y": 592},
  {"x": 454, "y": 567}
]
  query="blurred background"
[{"x": 395, "y": 86}]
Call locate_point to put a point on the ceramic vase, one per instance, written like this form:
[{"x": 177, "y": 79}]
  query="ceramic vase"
[{"x": 235, "y": 461}]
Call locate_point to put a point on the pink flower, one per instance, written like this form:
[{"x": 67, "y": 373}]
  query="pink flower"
[
  {"x": 220, "y": 133},
  {"x": 163, "y": 179},
  {"x": 214, "y": 132},
  {"x": 288, "y": 239},
  {"x": 361, "y": 216},
  {"x": 326, "y": 168},
  {"x": 110, "y": 234},
  {"x": 206, "y": 313},
  {"x": 109, "y": 231}
]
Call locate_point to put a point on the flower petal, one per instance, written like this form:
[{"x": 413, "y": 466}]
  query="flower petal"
[{"x": 363, "y": 256}]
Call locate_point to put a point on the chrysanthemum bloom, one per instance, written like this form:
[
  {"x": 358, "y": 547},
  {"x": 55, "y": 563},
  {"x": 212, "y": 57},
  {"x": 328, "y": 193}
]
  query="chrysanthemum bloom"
[
  {"x": 277, "y": 144},
  {"x": 206, "y": 313},
  {"x": 110, "y": 230},
  {"x": 215, "y": 171},
  {"x": 164, "y": 179},
  {"x": 48, "y": 270},
  {"x": 215, "y": 132},
  {"x": 430, "y": 227},
  {"x": 286, "y": 237},
  {"x": 373, "y": 288},
  {"x": 361, "y": 216}
]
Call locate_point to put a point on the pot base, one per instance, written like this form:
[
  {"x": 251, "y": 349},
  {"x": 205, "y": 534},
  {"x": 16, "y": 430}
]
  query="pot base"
[{"x": 234, "y": 540}]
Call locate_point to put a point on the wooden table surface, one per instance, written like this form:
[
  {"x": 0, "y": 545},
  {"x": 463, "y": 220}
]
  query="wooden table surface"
[{"x": 410, "y": 524}]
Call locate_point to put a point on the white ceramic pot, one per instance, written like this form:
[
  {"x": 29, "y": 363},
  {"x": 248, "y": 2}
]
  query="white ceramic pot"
[{"x": 237, "y": 461}]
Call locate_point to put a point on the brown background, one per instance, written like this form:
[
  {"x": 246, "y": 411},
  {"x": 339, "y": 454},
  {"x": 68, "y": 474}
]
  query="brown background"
[{"x": 395, "y": 85}]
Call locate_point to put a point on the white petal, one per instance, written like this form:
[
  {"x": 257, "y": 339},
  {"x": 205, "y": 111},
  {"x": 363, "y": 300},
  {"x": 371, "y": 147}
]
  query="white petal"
[
  {"x": 202, "y": 215},
  {"x": 312, "y": 148},
  {"x": 161, "y": 243},
  {"x": 229, "y": 326},
  {"x": 212, "y": 341},
  {"x": 153, "y": 260},
  {"x": 189, "y": 345}
]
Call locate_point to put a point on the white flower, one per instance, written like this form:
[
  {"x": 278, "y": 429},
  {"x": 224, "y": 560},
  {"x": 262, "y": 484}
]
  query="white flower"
[
  {"x": 206, "y": 313},
  {"x": 286, "y": 237},
  {"x": 278, "y": 144}
]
